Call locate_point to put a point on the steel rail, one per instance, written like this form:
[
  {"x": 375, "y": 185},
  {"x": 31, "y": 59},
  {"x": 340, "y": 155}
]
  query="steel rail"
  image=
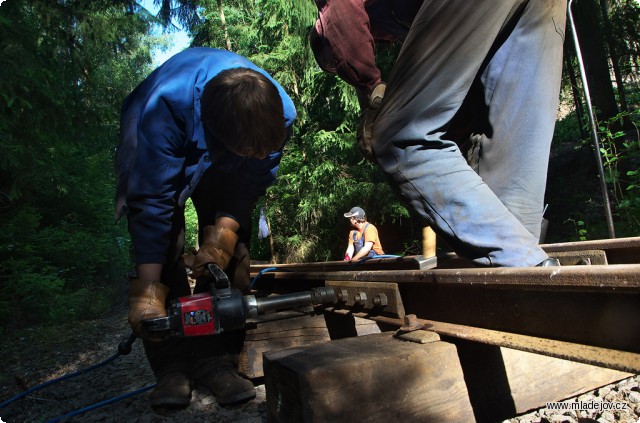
[
  {"x": 618, "y": 278},
  {"x": 632, "y": 243},
  {"x": 595, "y": 306},
  {"x": 617, "y": 251},
  {"x": 588, "y": 313},
  {"x": 601, "y": 357}
]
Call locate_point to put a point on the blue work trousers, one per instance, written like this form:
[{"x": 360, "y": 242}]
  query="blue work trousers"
[{"x": 484, "y": 73}]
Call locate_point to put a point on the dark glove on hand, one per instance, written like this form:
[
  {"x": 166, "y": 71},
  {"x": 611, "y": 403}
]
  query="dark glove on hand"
[{"x": 217, "y": 247}]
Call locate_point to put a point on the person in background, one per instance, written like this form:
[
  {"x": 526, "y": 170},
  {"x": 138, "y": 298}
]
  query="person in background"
[
  {"x": 211, "y": 126},
  {"x": 363, "y": 239}
]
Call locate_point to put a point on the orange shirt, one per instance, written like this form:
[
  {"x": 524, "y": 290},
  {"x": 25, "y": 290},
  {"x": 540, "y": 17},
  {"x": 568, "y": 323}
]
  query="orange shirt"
[{"x": 370, "y": 235}]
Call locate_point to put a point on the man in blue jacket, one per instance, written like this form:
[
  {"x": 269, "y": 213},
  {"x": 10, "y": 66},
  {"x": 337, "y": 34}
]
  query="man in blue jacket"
[{"x": 211, "y": 126}]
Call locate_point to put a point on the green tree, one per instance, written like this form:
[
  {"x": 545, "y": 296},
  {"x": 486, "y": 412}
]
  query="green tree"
[
  {"x": 608, "y": 33},
  {"x": 590, "y": 33},
  {"x": 322, "y": 173},
  {"x": 66, "y": 68}
]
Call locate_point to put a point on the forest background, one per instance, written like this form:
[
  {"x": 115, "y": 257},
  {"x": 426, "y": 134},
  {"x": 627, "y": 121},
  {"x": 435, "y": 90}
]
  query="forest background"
[{"x": 66, "y": 66}]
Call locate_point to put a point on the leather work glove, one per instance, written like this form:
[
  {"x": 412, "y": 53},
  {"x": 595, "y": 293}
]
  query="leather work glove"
[
  {"x": 217, "y": 247},
  {"x": 146, "y": 301},
  {"x": 370, "y": 112},
  {"x": 238, "y": 271}
]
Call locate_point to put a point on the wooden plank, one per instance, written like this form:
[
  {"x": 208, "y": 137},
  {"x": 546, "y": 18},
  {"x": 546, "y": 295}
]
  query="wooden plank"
[
  {"x": 503, "y": 382},
  {"x": 373, "y": 378},
  {"x": 534, "y": 379},
  {"x": 292, "y": 332}
]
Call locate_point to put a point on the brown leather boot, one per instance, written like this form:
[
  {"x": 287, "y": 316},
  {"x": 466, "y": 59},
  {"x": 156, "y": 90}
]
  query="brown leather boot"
[
  {"x": 172, "y": 390},
  {"x": 220, "y": 376}
]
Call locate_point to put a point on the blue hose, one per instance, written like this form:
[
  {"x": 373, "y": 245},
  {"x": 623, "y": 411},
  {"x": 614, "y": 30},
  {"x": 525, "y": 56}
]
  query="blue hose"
[
  {"x": 263, "y": 271},
  {"x": 123, "y": 349},
  {"x": 60, "y": 379},
  {"x": 101, "y": 403}
]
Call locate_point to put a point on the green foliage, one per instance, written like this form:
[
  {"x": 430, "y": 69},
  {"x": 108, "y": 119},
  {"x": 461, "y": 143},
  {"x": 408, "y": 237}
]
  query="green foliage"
[
  {"x": 191, "y": 221},
  {"x": 574, "y": 192},
  {"x": 322, "y": 173},
  {"x": 67, "y": 66},
  {"x": 567, "y": 130},
  {"x": 624, "y": 16},
  {"x": 31, "y": 295},
  {"x": 578, "y": 194},
  {"x": 621, "y": 158},
  {"x": 580, "y": 229}
]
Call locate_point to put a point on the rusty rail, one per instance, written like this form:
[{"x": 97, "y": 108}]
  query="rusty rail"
[
  {"x": 602, "y": 357},
  {"x": 587, "y": 313}
]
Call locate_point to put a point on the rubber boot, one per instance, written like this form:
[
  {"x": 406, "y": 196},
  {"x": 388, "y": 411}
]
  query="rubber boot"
[
  {"x": 220, "y": 376},
  {"x": 173, "y": 388}
]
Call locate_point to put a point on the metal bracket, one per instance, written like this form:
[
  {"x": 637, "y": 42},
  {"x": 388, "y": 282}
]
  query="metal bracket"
[
  {"x": 583, "y": 257},
  {"x": 371, "y": 297}
]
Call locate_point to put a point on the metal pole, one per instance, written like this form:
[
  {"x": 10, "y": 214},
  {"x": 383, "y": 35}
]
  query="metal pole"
[{"x": 594, "y": 128}]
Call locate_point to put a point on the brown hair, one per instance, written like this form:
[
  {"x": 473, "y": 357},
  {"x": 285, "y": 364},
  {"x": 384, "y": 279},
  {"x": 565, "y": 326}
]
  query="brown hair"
[{"x": 243, "y": 109}]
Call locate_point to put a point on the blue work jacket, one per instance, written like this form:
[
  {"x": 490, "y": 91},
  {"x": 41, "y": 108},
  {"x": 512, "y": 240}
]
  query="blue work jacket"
[{"x": 163, "y": 152}]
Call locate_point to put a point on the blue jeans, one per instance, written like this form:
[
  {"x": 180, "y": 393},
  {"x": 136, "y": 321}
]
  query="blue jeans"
[{"x": 485, "y": 72}]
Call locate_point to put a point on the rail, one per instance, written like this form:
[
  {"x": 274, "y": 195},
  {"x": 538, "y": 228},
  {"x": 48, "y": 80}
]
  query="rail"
[{"x": 581, "y": 311}]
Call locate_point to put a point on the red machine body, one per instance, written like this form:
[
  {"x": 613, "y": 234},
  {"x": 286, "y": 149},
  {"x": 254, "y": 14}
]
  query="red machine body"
[{"x": 197, "y": 313}]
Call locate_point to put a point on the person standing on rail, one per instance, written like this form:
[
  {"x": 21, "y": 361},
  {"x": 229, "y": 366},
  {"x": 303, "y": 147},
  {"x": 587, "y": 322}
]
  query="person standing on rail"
[{"x": 485, "y": 74}]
